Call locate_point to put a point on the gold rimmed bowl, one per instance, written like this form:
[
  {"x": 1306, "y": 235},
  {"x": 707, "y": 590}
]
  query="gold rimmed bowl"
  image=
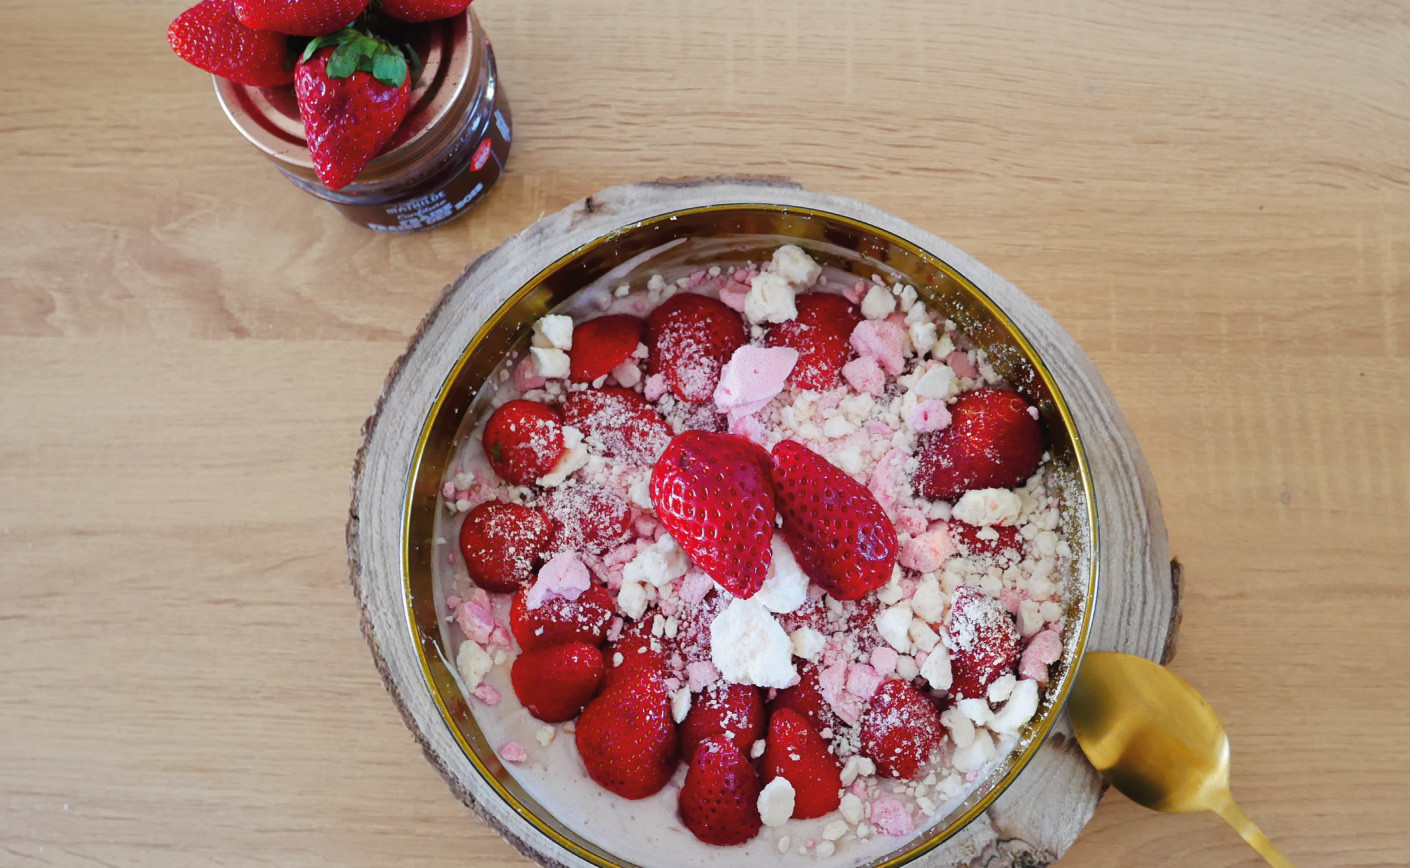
[{"x": 401, "y": 531}]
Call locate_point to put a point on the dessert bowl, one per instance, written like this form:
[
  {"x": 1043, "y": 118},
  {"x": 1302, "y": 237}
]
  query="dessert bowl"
[{"x": 436, "y": 398}]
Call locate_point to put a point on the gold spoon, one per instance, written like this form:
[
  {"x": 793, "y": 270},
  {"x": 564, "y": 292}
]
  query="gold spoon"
[{"x": 1157, "y": 741}]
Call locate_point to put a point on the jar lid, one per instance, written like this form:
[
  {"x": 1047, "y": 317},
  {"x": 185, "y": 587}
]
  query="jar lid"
[{"x": 451, "y": 55}]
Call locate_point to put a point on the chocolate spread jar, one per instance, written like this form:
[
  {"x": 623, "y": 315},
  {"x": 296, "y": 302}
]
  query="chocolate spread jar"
[{"x": 446, "y": 155}]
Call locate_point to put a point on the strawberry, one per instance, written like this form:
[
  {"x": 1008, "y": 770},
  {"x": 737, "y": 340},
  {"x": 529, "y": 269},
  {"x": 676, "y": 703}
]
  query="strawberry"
[
  {"x": 642, "y": 654},
  {"x": 555, "y": 682},
  {"x": 840, "y": 535},
  {"x": 601, "y": 344},
  {"x": 689, "y": 337},
  {"x": 719, "y": 800},
  {"x": 299, "y": 17},
  {"x": 417, "y": 11},
  {"x": 811, "y": 614},
  {"x": 523, "y": 440},
  {"x": 588, "y": 518},
  {"x": 209, "y": 36},
  {"x": 982, "y": 639},
  {"x": 557, "y": 619},
  {"x": 821, "y": 334},
  {"x": 992, "y": 442},
  {"x": 806, "y": 699},
  {"x": 1008, "y": 548},
  {"x": 502, "y": 543},
  {"x": 900, "y": 729},
  {"x": 626, "y": 737},
  {"x": 622, "y": 421},
  {"x": 735, "y": 711},
  {"x": 798, "y": 754},
  {"x": 714, "y": 494},
  {"x": 353, "y": 92},
  {"x": 693, "y": 625}
]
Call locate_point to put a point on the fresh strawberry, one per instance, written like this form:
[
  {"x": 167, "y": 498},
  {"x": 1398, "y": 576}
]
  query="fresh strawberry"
[
  {"x": 840, "y": 535},
  {"x": 555, "y": 682},
  {"x": 622, "y": 421},
  {"x": 353, "y": 92},
  {"x": 900, "y": 729},
  {"x": 689, "y": 338},
  {"x": 735, "y": 711},
  {"x": 626, "y": 737},
  {"x": 642, "y": 654},
  {"x": 601, "y": 344},
  {"x": 821, "y": 334},
  {"x": 423, "y": 10},
  {"x": 806, "y": 698},
  {"x": 208, "y": 35},
  {"x": 714, "y": 494},
  {"x": 812, "y": 614},
  {"x": 299, "y": 17},
  {"x": 992, "y": 442},
  {"x": 719, "y": 801},
  {"x": 523, "y": 440},
  {"x": 587, "y": 518},
  {"x": 861, "y": 623},
  {"x": 982, "y": 639},
  {"x": 502, "y": 543},
  {"x": 693, "y": 625},
  {"x": 799, "y": 755},
  {"x": 1007, "y": 547},
  {"x": 558, "y": 620}
]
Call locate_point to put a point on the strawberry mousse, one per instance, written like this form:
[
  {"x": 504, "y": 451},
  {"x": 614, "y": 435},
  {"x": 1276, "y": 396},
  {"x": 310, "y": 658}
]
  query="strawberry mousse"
[{"x": 760, "y": 556}]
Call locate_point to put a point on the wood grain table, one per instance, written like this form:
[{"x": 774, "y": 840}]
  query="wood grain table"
[{"x": 1212, "y": 197}]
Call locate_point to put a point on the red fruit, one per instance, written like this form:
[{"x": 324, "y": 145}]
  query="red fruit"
[
  {"x": 523, "y": 440},
  {"x": 992, "y": 442},
  {"x": 806, "y": 699},
  {"x": 588, "y": 518},
  {"x": 423, "y": 10},
  {"x": 1008, "y": 547},
  {"x": 690, "y": 337},
  {"x": 601, "y": 344},
  {"x": 821, "y": 334},
  {"x": 555, "y": 682},
  {"x": 982, "y": 639},
  {"x": 719, "y": 800},
  {"x": 693, "y": 625},
  {"x": 811, "y": 614},
  {"x": 209, "y": 36},
  {"x": 642, "y": 654},
  {"x": 840, "y": 535},
  {"x": 353, "y": 92},
  {"x": 799, "y": 755},
  {"x": 714, "y": 494},
  {"x": 900, "y": 729},
  {"x": 734, "y": 711},
  {"x": 502, "y": 543},
  {"x": 559, "y": 620},
  {"x": 299, "y": 17},
  {"x": 861, "y": 623},
  {"x": 622, "y": 421},
  {"x": 627, "y": 739}
]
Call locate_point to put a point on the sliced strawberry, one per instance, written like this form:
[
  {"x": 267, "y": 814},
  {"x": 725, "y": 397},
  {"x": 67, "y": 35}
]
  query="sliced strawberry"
[
  {"x": 982, "y": 639},
  {"x": 806, "y": 698},
  {"x": 555, "y": 682},
  {"x": 1007, "y": 547},
  {"x": 523, "y": 440},
  {"x": 423, "y": 10},
  {"x": 601, "y": 344},
  {"x": 210, "y": 36},
  {"x": 689, "y": 338},
  {"x": 799, "y": 755},
  {"x": 626, "y": 737},
  {"x": 735, "y": 711},
  {"x": 992, "y": 442},
  {"x": 299, "y": 17},
  {"x": 719, "y": 800},
  {"x": 587, "y": 518},
  {"x": 714, "y": 494},
  {"x": 558, "y": 620},
  {"x": 840, "y": 535},
  {"x": 502, "y": 543},
  {"x": 821, "y": 334},
  {"x": 900, "y": 729},
  {"x": 622, "y": 421}
]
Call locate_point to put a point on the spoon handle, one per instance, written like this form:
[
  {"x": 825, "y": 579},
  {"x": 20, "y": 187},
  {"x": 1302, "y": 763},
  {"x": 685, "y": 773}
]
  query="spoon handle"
[{"x": 1249, "y": 832}]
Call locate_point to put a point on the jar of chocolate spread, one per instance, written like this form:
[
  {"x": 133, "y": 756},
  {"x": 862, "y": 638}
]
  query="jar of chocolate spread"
[{"x": 446, "y": 155}]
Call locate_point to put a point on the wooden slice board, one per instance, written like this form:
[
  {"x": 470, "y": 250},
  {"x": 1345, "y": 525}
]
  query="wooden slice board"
[{"x": 1040, "y": 815}]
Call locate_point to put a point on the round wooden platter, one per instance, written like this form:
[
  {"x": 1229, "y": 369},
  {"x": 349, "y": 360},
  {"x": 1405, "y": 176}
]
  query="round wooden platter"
[{"x": 1040, "y": 815}]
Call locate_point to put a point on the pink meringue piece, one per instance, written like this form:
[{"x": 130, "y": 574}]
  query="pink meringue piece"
[
  {"x": 701, "y": 674},
  {"x": 959, "y": 363},
  {"x": 513, "y": 752},
  {"x": 655, "y": 387},
  {"x": 881, "y": 340},
  {"x": 912, "y": 521},
  {"x": 477, "y": 622},
  {"x": 862, "y": 680},
  {"x": 885, "y": 481},
  {"x": 890, "y": 817},
  {"x": 487, "y": 694},
  {"x": 883, "y": 660},
  {"x": 1045, "y": 648},
  {"x": 751, "y": 379},
  {"x": 1011, "y": 600},
  {"x": 927, "y": 552},
  {"x": 865, "y": 375},
  {"x": 929, "y": 416},
  {"x": 734, "y": 298},
  {"x": 564, "y": 576}
]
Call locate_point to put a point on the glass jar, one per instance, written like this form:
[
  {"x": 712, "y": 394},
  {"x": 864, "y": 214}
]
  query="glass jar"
[{"x": 445, "y": 156}]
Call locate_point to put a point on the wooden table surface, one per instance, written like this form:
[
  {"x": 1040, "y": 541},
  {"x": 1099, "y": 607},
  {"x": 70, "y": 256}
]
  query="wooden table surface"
[{"x": 1212, "y": 197}]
